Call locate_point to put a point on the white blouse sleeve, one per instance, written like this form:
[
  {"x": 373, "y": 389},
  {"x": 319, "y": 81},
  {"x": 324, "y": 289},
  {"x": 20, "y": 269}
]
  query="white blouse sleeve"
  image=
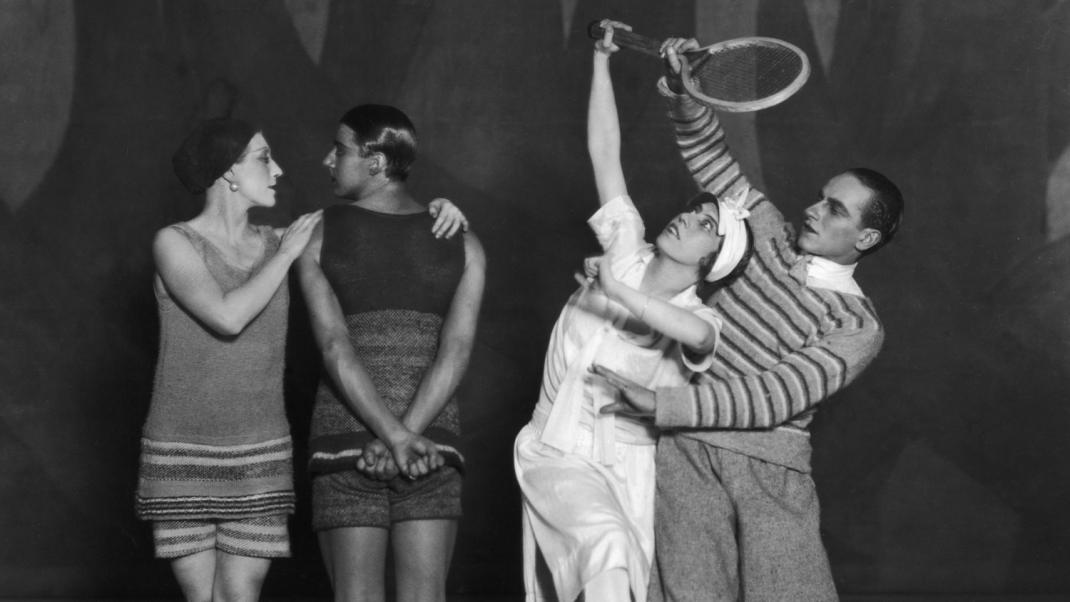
[{"x": 618, "y": 226}]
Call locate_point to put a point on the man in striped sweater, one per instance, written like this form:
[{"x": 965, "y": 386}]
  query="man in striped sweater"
[{"x": 737, "y": 515}]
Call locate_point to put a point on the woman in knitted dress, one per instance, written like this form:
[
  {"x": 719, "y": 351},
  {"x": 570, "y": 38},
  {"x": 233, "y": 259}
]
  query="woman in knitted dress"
[
  {"x": 215, "y": 475},
  {"x": 394, "y": 311},
  {"x": 587, "y": 477}
]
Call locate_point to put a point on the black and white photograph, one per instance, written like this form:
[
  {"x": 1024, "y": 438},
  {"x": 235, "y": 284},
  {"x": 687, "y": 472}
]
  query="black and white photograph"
[{"x": 535, "y": 300}]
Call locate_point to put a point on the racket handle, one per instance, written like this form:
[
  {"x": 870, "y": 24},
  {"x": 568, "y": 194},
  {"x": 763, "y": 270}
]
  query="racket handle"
[{"x": 626, "y": 39}]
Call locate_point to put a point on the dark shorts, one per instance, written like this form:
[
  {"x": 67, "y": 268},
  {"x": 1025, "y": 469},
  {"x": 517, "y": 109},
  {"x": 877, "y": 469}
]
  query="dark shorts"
[{"x": 350, "y": 499}]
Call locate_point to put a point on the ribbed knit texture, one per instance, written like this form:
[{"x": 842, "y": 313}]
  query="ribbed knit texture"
[
  {"x": 784, "y": 347},
  {"x": 201, "y": 481},
  {"x": 216, "y": 442},
  {"x": 258, "y": 537},
  {"x": 395, "y": 282}
]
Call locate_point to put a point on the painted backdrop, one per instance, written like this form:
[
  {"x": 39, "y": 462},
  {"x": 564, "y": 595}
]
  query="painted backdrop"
[{"x": 943, "y": 469}]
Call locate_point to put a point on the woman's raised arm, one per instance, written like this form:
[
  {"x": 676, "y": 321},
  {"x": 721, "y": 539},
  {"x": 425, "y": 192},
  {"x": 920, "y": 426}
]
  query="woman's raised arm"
[{"x": 603, "y": 124}]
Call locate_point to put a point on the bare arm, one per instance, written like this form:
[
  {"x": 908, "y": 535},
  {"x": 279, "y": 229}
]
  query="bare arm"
[
  {"x": 456, "y": 340},
  {"x": 346, "y": 370},
  {"x": 603, "y": 124},
  {"x": 448, "y": 218},
  {"x": 186, "y": 278},
  {"x": 677, "y": 323}
]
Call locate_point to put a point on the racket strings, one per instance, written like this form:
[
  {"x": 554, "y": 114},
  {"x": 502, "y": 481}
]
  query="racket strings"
[{"x": 746, "y": 73}]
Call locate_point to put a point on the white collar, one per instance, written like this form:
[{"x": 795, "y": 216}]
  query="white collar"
[{"x": 825, "y": 273}]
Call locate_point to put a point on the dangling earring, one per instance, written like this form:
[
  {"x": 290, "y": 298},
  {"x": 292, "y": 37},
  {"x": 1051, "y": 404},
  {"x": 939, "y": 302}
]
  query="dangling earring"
[{"x": 233, "y": 187}]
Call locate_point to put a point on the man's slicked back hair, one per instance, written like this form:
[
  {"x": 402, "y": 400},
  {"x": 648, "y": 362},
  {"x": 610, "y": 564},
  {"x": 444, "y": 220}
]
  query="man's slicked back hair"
[{"x": 387, "y": 130}]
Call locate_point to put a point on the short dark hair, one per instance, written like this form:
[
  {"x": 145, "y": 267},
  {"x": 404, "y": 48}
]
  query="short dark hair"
[
  {"x": 387, "y": 130},
  {"x": 209, "y": 150},
  {"x": 884, "y": 212}
]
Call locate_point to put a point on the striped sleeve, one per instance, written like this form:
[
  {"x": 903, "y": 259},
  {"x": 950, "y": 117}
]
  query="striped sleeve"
[
  {"x": 705, "y": 151},
  {"x": 775, "y": 395},
  {"x": 701, "y": 141}
]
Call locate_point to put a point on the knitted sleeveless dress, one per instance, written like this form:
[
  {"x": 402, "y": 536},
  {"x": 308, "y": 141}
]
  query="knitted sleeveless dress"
[
  {"x": 216, "y": 443},
  {"x": 395, "y": 282}
]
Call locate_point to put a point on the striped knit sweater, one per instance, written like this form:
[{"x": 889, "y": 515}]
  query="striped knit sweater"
[{"x": 785, "y": 346}]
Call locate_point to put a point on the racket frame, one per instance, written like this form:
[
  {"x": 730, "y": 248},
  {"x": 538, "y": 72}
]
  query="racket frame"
[
  {"x": 652, "y": 47},
  {"x": 751, "y": 105}
]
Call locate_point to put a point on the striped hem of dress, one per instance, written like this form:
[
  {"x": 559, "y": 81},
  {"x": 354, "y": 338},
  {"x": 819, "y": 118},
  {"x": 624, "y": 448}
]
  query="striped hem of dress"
[
  {"x": 190, "y": 480},
  {"x": 199, "y": 507},
  {"x": 166, "y": 461}
]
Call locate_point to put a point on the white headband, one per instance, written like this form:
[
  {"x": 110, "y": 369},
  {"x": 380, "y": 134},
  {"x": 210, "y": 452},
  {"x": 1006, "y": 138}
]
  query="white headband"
[{"x": 730, "y": 215}]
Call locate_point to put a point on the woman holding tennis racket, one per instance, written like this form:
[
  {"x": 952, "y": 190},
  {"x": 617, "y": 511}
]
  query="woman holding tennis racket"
[
  {"x": 738, "y": 516},
  {"x": 587, "y": 478}
]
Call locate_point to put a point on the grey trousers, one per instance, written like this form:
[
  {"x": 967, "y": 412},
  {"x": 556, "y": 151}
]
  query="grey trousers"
[{"x": 732, "y": 527}]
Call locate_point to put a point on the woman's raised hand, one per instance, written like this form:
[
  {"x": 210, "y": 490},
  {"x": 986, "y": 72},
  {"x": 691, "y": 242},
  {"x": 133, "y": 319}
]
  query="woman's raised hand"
[
  {"x": 590, "y": 271},
  {"x": 297, "y": 235},
  {"x": 597, "y": 268},
  {"x": 609, "y": 283},
  {"x": 606, "y": 45}
]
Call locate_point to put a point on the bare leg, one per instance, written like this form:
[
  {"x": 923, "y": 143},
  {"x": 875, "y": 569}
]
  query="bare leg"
[
  {"x": 422, "y": 553},
  {"x": 356, "y": 562},
  {"x": 239, "y": 578},
  {"x": 325, "y": 551},
  {"x": 195, "y": 574}
]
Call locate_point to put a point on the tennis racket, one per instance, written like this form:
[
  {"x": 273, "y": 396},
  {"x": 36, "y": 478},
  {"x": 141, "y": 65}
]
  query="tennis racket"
[{"x": 738, "y": 75}]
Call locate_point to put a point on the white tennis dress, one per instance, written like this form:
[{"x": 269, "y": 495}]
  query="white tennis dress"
[{"x": 588, "y": 479}]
